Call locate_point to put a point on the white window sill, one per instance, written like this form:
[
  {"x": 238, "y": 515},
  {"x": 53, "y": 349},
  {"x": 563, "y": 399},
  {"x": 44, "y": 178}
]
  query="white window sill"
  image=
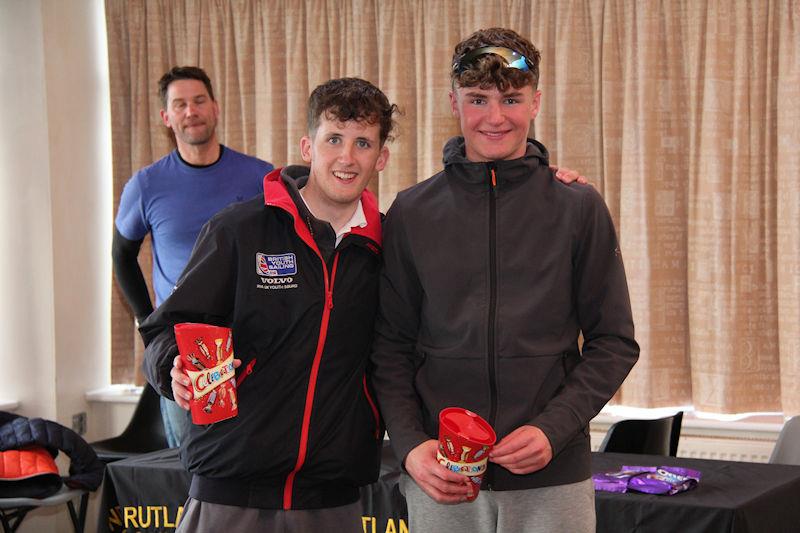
[
  {"x": 126, "y": 393},
  {"x": 764, "y": 426},
  {"x": 8, "y": 405}
]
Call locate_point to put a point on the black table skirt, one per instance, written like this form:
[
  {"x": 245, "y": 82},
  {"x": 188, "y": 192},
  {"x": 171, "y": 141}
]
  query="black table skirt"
[{"x": 146, "y": 493}]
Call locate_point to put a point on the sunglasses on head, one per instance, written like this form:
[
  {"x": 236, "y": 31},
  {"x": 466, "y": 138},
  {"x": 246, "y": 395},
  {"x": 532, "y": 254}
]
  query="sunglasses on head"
[{"x": 512, "y": 59}]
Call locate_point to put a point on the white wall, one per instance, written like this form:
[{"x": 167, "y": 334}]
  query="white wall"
[
  {"x": 27, "y": 322},
  {"x": 55, "y": 193},
  {"x": 76, "y": 77},
  {"x": 55, "y": 184}
]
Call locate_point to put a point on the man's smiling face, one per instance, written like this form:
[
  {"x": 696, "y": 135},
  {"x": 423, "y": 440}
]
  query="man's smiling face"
[
  {"x": 494, "y": 123},
  {"x": 343, "y": 156}
]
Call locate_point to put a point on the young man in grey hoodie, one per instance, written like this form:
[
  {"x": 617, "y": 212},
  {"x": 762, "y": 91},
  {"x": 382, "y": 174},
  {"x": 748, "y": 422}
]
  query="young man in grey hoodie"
[{"x": 492, "y": 270}]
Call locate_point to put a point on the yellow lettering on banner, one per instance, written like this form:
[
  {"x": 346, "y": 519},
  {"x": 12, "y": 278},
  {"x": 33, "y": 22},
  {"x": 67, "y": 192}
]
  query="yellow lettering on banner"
[
  {"x": 129, "y": 514},
  {"x": 142, "y": 523},
  {"x": 390, "y": 526},
  {"x": 167, "y": 523},
  {"x": 403, "y": 526},
  {"x": 144, "y": 517},
  {"x": 365, "y": 520},
  {"x": 156, "y": 514},
  {"x": 114, "y": 518},
  {"x": 162, "y": 516}
]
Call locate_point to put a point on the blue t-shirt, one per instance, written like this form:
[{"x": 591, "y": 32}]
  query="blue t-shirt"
[{"x": 173, "y": 200}]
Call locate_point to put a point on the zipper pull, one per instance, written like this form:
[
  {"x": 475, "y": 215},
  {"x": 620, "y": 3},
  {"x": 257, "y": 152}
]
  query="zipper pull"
[
  {"x": 247, "y": 371},
  {"x": 329, "y": 287},
  {"x": 492, "y": 178}
]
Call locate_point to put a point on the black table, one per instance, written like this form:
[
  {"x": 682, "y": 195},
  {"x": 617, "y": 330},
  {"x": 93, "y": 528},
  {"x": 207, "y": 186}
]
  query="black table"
[
  {"x": 146, "y": 493},
  {"x": 731, "y": 497}
]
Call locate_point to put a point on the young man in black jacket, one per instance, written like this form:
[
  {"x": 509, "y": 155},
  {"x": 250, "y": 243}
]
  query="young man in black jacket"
[
  {"x": 492, "y": 270},
  {"x": 307, "y": 435}
]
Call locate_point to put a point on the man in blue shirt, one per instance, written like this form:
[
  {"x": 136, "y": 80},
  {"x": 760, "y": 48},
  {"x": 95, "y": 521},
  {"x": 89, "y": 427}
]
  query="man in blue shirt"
[{"x": 175, "y": 196}]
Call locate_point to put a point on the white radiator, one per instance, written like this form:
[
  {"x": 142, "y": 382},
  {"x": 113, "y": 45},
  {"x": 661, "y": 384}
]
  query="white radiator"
[
  {"x": 710, "y": 439},
  {"x": 727, "y": 449}
]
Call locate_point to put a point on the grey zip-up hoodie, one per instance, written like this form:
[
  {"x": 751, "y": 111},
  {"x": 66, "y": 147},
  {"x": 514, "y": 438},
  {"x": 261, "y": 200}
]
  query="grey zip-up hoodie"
[{"x": 492, "y": 270}]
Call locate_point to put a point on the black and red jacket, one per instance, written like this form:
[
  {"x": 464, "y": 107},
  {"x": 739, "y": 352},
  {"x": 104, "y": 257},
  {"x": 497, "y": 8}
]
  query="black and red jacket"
[{"x": 307, "y": 434}]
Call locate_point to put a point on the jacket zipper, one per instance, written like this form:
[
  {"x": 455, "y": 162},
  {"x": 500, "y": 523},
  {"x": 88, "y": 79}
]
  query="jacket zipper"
[
  {"x": 492, "y": 318},
  {"x": 312, "y": 380},
  {"x": 247, "y": 371}
]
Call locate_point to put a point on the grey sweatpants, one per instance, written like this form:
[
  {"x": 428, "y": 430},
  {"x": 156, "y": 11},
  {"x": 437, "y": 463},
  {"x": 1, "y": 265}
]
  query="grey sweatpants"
[
  {"x": 204, "y": 517},
  {"x": 558, "y": 509}
]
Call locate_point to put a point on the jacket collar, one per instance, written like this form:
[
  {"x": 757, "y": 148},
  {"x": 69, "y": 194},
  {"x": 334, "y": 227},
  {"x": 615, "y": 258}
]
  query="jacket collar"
[
  {"x": 457, "y": 165},
  {"x": 281, "y": 190}
]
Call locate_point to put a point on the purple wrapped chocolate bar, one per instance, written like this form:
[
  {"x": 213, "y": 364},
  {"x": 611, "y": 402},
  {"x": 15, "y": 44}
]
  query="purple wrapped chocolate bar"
[
  {"x": 648, "y": 479},
  {"x": 665, "y": 480},
  {"x": 618, "y": 481}
]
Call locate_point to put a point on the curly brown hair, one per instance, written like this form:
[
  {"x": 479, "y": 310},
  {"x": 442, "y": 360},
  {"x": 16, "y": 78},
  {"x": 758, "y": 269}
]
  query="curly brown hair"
[
  {"x": 346, "y": 99},
  {"x": 490, "y": 70}
]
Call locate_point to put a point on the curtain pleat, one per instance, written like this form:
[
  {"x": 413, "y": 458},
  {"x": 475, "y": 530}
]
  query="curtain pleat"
[{"x": 785, "y": 171}]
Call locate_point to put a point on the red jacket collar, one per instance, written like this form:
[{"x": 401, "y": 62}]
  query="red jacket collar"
[{"x": 276, "y": 194}]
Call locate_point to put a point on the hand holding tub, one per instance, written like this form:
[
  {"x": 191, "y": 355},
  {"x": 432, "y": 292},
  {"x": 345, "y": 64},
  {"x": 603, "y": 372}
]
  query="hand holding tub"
[
  {"x": 201, "y": 381},
  {"x": 441, "y": 484},
  {"x": 524, "y": 450},
  {"x": 451, "y": 470}
]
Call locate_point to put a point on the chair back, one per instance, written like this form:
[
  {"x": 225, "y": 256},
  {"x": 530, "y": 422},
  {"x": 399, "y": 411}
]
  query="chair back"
[
  {"x": 651, "y": 437},
  {"x": 787, "y": 447},
  {"x": 146, "y": 417},
  {"x": 144, "y": 433}
]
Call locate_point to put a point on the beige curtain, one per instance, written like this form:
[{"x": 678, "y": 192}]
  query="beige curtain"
[{"x": 684, "y": 113}]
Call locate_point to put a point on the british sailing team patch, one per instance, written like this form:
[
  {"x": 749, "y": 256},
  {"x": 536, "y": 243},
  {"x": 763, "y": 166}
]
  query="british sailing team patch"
[
  {"x": 276, "y": 265},
  {"x": 276, "y": 270}
]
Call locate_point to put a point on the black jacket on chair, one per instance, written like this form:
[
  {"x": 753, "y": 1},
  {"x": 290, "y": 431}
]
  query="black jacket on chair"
[{"x": 17, "y": 432}]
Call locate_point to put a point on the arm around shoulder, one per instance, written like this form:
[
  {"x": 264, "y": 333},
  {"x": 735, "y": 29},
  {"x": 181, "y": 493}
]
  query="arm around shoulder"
[{"x": 604, "y": 313}]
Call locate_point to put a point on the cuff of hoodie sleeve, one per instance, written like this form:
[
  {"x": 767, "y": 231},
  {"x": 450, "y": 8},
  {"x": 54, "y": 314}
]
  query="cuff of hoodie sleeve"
[
  {"x": 559, "y": 426},
  {"x": 402, "y": 445}
]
